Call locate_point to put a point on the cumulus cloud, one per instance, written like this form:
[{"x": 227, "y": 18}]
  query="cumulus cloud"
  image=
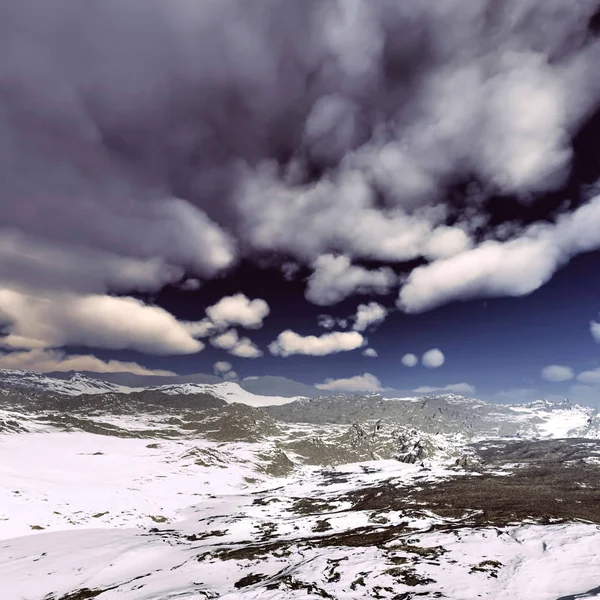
[
  {"x": 200, "y": 329},
  {"x": 368, "y": 315},
  {"x": 370, "y": 352},
  {"x": 241, "y": 347},
  {"x": 245, "y": 348},
  {"x": 224, "y": 369},
  {"x": 221, "y": 366},
  {"x": 238, "y": 310},
  {"x": 557, "y": 373},
  {"x": 455, "y": 388},
  {"x": 226, "y": 340},
  {"x": 289, "y": 342},
  {"x": 335, "y": 278},
  {"x": 358, "y": 383},
  {"x": 46, "y": 361},
  {"x": 409, "y": 360},
  {"x": 446, "y": 242},
  {"x": 432, "y": 359},
  {"x": 35, "y": 320},
  {"x": 513, "y": 268}
]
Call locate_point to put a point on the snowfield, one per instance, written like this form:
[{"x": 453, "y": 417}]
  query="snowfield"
[{"x": 144, "y": 502}]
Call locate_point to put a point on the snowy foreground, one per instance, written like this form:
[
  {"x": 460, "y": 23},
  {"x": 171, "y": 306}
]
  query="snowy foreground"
[{"x": 86, "y": 515}]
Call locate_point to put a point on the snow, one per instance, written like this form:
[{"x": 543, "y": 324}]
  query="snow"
[
  {"x": 74, "y": 386},
  {"x": 149, "y": 518},
  {"x": 555, "y": 421},
  {"x": 538, "y": 562},
  {"x": 61, "y": 480},
  {"x": 228, "y": 391}
]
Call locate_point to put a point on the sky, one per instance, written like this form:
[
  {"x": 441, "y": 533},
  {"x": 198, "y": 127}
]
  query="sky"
[{"x": 359, "y": 194}]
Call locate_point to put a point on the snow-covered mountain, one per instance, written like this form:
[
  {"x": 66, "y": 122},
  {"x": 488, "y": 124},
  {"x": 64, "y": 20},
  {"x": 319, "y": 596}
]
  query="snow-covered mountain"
[
  {"x": 75, "y": 384},
  {"x": 200, "y": 490},
  {"x": 79, "y": 384},
  {"x": 436, "y": 413},
  {"x": 226, "y": 390}
]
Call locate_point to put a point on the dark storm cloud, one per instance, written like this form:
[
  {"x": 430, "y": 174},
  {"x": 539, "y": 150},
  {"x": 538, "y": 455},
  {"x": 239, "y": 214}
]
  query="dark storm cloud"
[{"x": 191, "y": 132}]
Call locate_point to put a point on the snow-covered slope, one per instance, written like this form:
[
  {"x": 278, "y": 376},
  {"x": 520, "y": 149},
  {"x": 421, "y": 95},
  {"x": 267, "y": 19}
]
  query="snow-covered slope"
[
  {"x": 73, "y": 386},
  {"x": 131, "y": 497},
  {"x": 228, "y": 391},
  {"x": 79, "y": 384},
  {"x": 96, "y": 516},
  {"x": 439, "y": 412}
]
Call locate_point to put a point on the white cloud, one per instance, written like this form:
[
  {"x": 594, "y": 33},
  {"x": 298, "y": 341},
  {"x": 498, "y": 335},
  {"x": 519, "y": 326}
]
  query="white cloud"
[
  {"x": 513, "y": 268},
  {"x": 222, "y": 366},
  {"x": 54, "y": 320},
  {"x": 595, "y": 330},
  {"x": 432, "y": 359},
  {"x": 46, "y": 361},
  {"x": 591, "y": 377},
  {"x": 288, "y": 342},
  {"x": 446, "y": 242},
  {"x": 245, "y": 348},
  {"x": 358, "y": 383},
  {"x": 326, "y": 321},
  {"x": 556, "y": 373},
  {"x": 335, "y": 278},
  {"x": 370, "y": 352},
  {"x": 200, "y": 329},
  {"x": 455, "y": 388},
  {"x": 308, "y": 220},
  {"x": 230, "y": 376},
  {"x": 369, "y": 314},
  {"x": 409, "y": 360},
  {"x": 241, "y": 347},
  {"x": 238, "y": 310},
  {"x": 226, "y": 340}
]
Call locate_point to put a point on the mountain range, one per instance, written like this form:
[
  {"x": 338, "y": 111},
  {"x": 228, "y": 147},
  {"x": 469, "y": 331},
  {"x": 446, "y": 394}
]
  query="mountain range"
[{"x": 207, "y": 489}]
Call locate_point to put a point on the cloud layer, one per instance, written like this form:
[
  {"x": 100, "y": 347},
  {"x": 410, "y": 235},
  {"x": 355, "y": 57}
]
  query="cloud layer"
[
  {"x": 153, "y": 141},
  {"x": 47, "y": 361}
]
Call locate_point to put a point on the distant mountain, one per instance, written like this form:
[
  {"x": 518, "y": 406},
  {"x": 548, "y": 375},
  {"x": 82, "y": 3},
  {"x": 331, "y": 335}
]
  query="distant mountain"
[
  {"x": 293, "y": 402},
  {"x": 447, "y": 414},
  {"x": 133, "y": 380},
  {"x": 82, "y": 384},
  {"x": 229, "y": 391},
  {"x": 261, "y": 386},
  {"x": 73, "y": 384},
  {"x": 280, "y": 386}
]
